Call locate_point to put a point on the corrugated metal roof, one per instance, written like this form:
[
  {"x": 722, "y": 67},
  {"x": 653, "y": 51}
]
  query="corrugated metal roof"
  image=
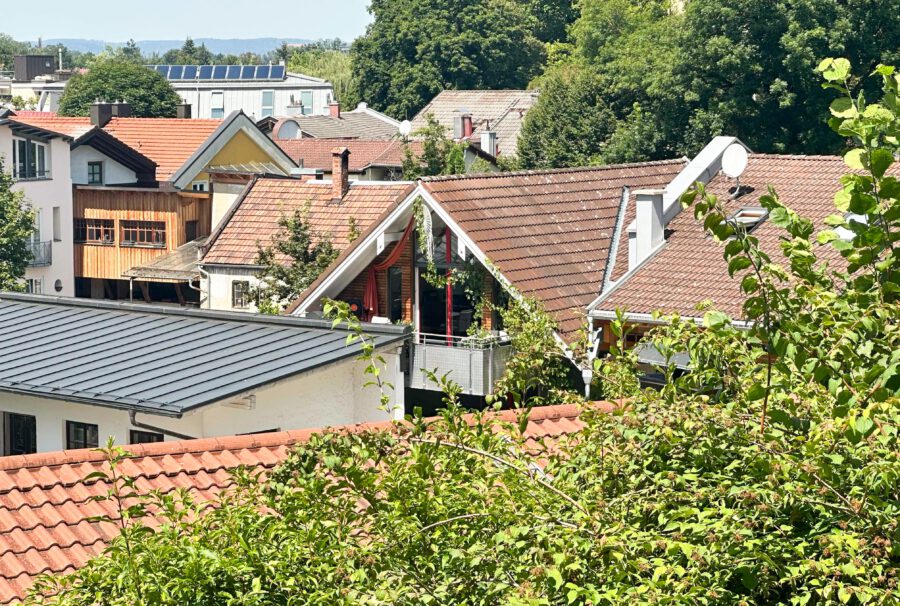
[{"x": 155, "y": 359}]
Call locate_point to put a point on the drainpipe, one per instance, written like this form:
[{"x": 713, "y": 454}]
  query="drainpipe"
[
  {"x": 132, "y": 416},
  {"x": 203, "y": 274}
]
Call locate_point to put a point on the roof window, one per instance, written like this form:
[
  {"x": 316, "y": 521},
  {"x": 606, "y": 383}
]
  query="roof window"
[{"x": 748, "y": 217}]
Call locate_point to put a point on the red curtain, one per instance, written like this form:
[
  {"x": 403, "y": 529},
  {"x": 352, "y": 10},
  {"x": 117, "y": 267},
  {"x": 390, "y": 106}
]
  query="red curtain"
[{"x": 370, "y": 296}]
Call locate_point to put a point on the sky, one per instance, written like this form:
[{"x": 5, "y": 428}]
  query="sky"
[{"x": 178, "y": 19}]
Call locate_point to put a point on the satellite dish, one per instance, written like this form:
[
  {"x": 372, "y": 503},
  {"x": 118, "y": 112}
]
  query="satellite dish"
[
  {"x": 734, "y": 160},
  {"x": 405, "y": 128}
]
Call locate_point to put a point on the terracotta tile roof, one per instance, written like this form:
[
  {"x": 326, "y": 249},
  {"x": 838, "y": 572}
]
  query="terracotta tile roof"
[
  {"x": 316, "y": 153},
  {"x": 690, "y": 268},
  {"x": 255, "y": 220},
  {"x": 167, "y": 141},
  {"x": 548, "y": 232},
  {"x": 504, "y": 110},
  {"x": 45, "y": 504}
]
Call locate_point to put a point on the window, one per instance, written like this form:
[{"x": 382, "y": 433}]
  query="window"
[
  {"x": 95, "y": 231},
  {"x": 190, "y": 230},
  {"x": 81, "y": 435},
  {"x": 95, "y": 173},
  {"x": 240, "y": 294},
  {"x": 306, "y": 100},
  {"x": 30, "y": 159},
  {"x": 144, "y": 233},
  {"x": 57, "y": 224},
  {"x": 395, "y": 294},
  {"x": 136, "y": 436},
  {"x": 36, "y": 230},
  {"x": 748, "y": 218},
  {"x": 217, "y": 104},
  {"x": 19, "y": 434},
  {"x": 34, "y": 286},
  {"x": 199, "y": 186},
  {"x": 268, "y": 103}
]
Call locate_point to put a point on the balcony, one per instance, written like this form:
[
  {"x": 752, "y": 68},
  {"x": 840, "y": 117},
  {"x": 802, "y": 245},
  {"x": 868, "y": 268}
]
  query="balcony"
[
  {"x": 41, "y": 254},
  {"x": 474, "y": 363}
]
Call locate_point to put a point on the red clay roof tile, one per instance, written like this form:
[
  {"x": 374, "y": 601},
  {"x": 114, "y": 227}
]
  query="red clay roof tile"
[{"x": 44, "y": 514}]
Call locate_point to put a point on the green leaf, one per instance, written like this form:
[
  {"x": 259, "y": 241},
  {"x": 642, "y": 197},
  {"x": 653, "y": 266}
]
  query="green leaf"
[
  {"x": 843, "y": 107},
  {"x": 864, "y": 425},
  {"x": 880, "y": 160},
  {"x": 756, "y": 392},
  {"x": 827, "y": 235},
  {"x": 855, "y": 159},
  {"x": 737, "y": 264}
]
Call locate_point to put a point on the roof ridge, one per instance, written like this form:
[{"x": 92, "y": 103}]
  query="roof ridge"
[
  {"x": 552, "y": 171},
  {"x": 796, "y": 156}
]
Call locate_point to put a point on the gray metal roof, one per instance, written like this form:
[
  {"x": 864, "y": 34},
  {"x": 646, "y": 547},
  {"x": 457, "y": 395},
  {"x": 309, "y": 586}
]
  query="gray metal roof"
[{"x": 155, "y": 359}]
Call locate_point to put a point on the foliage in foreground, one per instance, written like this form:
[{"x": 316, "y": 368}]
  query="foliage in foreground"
[
  {"x": 768, "y": 476},
  {"x": 120, "y": 79}
]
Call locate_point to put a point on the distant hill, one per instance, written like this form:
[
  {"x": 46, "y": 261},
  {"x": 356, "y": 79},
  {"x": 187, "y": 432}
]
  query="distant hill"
[{"x": 231, "y": 46}]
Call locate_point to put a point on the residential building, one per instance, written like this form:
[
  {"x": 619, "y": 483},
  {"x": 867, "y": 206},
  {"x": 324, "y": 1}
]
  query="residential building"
[
  {"x": 489, "y": 119},
  {"x": 550, "y": 235},
  {"x": 334, "y": 208},
  {"x": 73, "y": 372},
  {"x": 683, "y": 271},
  {"x": 143, "y": 190},
  {"x": 370, "y": 159},
  {"x": 360, "y": 123},
  {"x": 259, "y": 91},
  {"x": 37, "y": 80},
  {"x": 39, "y": 160}
]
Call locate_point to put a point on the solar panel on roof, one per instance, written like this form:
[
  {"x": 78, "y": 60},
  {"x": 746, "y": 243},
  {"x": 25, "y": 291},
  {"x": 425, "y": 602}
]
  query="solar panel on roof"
[
  {"x": 262, "y": 72},
  {"x": 175, "y": 72},
  {"x": 163, "y": 70},
  {"x": 248, "y": 72},
  {"x": 206, "y": 72},
  {"x": 234, "y": 72},
  {"x": 277, "y": 72},
  {"x": 219, "y": 72},
  {"x": 190, "y": 72}
]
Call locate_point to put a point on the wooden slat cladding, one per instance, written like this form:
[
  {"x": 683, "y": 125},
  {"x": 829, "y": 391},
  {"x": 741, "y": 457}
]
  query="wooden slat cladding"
[{"x": 173, "y": 209}]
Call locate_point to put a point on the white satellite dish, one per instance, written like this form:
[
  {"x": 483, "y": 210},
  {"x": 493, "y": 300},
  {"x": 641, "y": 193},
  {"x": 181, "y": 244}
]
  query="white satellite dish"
[
  {"x": 405, "y": 128},
  {"x": 734, "y": 160}
]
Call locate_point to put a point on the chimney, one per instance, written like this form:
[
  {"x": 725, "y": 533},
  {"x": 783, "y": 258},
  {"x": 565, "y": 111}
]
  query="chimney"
[
  {"x": 340, "y": 169},
  {"x": 334, "y": 109},
  {"x": 489, "y": 142},
  {"x": 101, "y": 113},
  {"x": 649, "y": 230},
  {"x": 457, "y": 127},
  {"x": 183, "y": 111},
  {"x": 121, "y": 109},
  {"x": 467, "y": 127}
]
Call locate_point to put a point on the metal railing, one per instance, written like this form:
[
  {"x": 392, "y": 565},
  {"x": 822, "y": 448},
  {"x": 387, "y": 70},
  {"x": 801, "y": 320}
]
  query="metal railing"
[
  {"x": 474, "y": 363},
  {"x": 41, "y": 254}
]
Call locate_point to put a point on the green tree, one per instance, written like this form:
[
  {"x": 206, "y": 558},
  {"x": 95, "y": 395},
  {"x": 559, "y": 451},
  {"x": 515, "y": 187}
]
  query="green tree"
[
  {"x": 291, "y": 262},
  {"x": 414, "y": 49},
  {"x": 440, "y": 155},
  {"x": 111, "y": 79},
  {"x": 16, "y": 225},
  {"x": 332, "y": 65},
  {"x": 189, "y": 54}
]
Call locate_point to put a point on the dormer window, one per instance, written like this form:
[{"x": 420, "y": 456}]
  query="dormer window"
[{"x": 748, "y": 218}]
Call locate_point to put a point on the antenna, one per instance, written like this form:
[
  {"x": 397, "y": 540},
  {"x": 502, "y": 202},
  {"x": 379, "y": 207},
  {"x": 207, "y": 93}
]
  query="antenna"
[{"x": 734, "y": 163}]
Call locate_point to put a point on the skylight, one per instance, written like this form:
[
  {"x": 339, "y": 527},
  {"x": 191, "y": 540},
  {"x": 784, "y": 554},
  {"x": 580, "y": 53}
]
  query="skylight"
[{"x": 749, "y": 217}]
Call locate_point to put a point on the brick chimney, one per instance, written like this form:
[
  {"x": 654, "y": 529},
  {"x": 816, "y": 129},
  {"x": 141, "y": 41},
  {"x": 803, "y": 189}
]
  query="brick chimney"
[
  {"x": 183, "y": 111},
  {"x": 340, "y": 173},
  {"x": 467, "y": 127},
  {"x": 101, "y": 113},
  {"x": 334, "y": 109}
]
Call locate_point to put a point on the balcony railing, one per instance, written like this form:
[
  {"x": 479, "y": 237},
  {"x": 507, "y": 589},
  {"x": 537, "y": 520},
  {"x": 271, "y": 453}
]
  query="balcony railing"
[
  {"x": 41, "y": 254},
  {"x": 474, "y": 363}
]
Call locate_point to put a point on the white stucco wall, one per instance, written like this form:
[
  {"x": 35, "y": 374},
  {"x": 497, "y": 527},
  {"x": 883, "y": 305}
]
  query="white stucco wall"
[
  {"x": 216, "y": 286},
  {"x": 44, "y": 195},
  {"x": 331, "y": 395},
  {"x": 223, "y": 197},
  {"x": 113, "y": 172},
  {"x": 242, "y": 96}
]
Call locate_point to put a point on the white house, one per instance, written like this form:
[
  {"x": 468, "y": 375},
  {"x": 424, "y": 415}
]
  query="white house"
[
  {"x": 39, "y": 161},
  {"x": 74, "y": 371},
  {"x": 214, "y": 91}
]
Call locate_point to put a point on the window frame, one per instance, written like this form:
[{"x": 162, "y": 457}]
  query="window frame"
[
  {"x": 34, "y": 286},
  {"x": 217, "y": 111},
  {"x": 149, "y": 229},
  {"x": 7, "y": 437},
  {"x": 240, "y": 290},
  {"x": 134, "y": 436},
  {"x": 267, "y": 110},
  {"x": 73, "y": 442},
  {"x": 98, "y": 164},
  {"x": 307, "y": 110},
  {"x": 395, "y": 281},
  {"x": 36, "y": 162},
  {"x": 83, "y": 227}
]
